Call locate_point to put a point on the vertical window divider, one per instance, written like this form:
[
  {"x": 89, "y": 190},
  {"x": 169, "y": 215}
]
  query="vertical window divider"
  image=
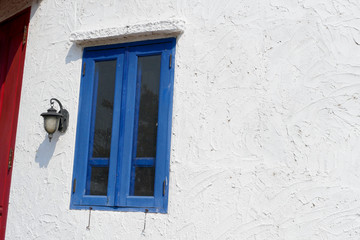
[
  {"x": 115, "y": 129},
  {"x": 120, "y": 144},
  {"x": 128, "y": 126},
  {"x": 136, "y": 122}
]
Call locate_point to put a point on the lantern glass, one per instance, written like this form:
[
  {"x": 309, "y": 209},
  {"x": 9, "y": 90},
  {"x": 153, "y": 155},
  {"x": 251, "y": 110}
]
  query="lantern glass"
[{"x": 51, "y": 124}]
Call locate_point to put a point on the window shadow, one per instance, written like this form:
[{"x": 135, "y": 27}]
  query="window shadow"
[{"x": 74, "y": 54}]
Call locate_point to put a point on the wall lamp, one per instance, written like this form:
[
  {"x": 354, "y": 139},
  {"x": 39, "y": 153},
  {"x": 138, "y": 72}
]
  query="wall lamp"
[{"x": 54, "y": 120}]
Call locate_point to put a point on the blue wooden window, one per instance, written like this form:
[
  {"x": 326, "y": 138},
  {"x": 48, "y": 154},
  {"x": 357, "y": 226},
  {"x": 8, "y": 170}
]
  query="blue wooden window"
[{"x": 124, "y": 126}]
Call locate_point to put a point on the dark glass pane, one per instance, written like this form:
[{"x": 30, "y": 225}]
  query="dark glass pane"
[
  {"x": 104, "y": 108},
  {"x": 99, "y": 180},
  {"x": 144, "y": 181},
  {"x": 149, "y": 70}
]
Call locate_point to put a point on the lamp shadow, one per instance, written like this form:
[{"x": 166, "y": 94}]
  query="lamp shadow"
[{"x": 46, "y": 150}]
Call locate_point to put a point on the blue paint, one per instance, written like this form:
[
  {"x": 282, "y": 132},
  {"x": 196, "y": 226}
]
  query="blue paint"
[
  {"x": 144, "y": 162},
  {"x": 122, "y": 161}
]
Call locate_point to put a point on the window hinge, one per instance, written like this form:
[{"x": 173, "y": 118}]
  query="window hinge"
[
  {"x": 74, "y": 185},
  {"x": 170, "y": 61},
  {"x": 164, "y": 186},
  {"x": 84, "y": 66},
  {"x": 24, "y": 36},
  {"x": 11, "y": 157}
]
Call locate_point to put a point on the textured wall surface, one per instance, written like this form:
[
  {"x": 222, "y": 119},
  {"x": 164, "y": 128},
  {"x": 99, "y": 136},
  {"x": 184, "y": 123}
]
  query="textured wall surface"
[{"x": 266, "y": 121}]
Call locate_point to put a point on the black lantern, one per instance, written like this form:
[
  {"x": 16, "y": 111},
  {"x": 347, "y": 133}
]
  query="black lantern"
[{"x": 53, "y": 120}]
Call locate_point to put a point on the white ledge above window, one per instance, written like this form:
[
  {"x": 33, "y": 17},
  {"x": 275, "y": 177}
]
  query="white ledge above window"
[{"x": 154, "y": 30}]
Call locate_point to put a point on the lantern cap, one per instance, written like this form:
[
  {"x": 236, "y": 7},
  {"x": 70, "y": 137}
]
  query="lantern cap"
[{"x": 51, "y": 112}]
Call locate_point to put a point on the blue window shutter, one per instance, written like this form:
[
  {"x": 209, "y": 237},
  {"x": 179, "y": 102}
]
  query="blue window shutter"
[{"x": 125, "y": 111}]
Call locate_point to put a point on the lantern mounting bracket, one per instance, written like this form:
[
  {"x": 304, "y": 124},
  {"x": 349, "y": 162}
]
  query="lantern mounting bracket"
[{"x": 64, "y": 119}]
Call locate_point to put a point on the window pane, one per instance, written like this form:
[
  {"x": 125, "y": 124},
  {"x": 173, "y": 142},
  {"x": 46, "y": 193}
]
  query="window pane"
[
  {"x": 104, "y": 108},
  {"x": 149, "y": 70},
  {"x": 144, "y": 181},
  {"x": 99, "y": 180}
]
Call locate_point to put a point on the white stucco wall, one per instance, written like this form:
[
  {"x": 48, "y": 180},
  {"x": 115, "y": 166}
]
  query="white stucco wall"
[{"x": 266, "y": 121}]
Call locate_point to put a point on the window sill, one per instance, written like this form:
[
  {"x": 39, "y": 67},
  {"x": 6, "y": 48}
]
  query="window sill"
[
  {"x": 148, "y": 31},
  {"x": 118, "y": 209}
]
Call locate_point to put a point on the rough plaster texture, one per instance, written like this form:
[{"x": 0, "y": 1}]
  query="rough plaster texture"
[
  {"x": 266, "y": 133},
  {"x": 154, "y": 30}
]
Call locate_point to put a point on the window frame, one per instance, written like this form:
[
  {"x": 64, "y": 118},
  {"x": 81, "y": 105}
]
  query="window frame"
[{"x": 124, "y": 118}]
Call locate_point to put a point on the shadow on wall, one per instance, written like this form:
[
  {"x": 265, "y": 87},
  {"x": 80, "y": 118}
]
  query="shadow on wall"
[
  {"x": 46, "y": 150},
  {"x": 74, "y": 54}
]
